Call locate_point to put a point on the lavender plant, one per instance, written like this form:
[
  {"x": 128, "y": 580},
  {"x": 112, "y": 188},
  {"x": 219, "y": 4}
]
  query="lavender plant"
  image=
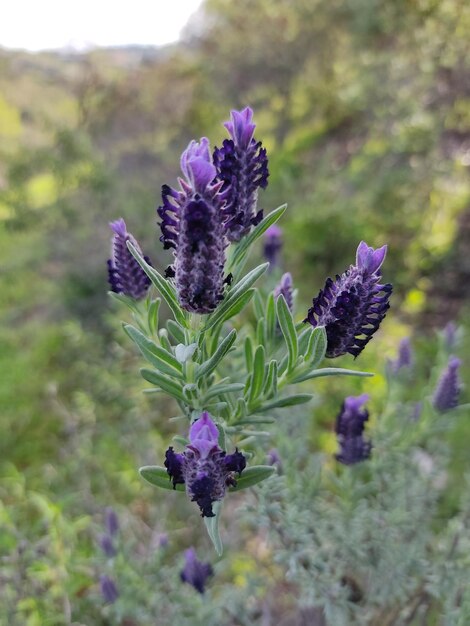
[{"x": 228, "y": 377}]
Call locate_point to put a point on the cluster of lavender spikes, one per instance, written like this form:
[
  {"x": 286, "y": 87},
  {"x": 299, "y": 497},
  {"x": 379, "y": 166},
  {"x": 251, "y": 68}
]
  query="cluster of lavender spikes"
[
  {"x": 349, "y": 430},
  {"x": 215, "y": 205},
  {"x": 204, "y": 467}
]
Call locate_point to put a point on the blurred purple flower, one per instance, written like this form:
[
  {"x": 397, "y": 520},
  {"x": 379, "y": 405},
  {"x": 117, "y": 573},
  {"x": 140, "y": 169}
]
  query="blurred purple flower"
[
  {"x": 124, "y": 273},
  {"x": 111, "y": 521},
  {"x": 195, "y": 572},
  {"x": 191, "y": 223},
  {"x": 450, "y": 335},
  {"x": 349, "y": 430},
  {"x": 404, "y": 357},
  {"x": 204, "y": 467},
  {"x": 446, "y": 394},
  {"x": 274, "y": 458},
  {"x": 272, "y": 245},
  {"x": 285, "y": 288},
  {"x": 107, "y": 545},
  {"x": 352, "y": 307},
  {"x": 108, "y": 589},
  {"x": 242, "y": 166}
]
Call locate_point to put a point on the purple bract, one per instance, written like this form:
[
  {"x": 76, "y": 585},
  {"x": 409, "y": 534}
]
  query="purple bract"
[
  {"x": 446, "y": 395},
  {"x": 285, "y": 288}
]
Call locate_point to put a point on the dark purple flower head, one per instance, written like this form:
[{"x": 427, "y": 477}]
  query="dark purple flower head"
[
  {"x": 192, "y": 224},
  {"x": 124, "y": 273},
  {"x": 352, "y": 307},
  {"x": 272, "y": 245},
  {"x": 107, "y": 545},
  {"x": 195, "y": 572},
  {"x": 286, "y": 288},
  {"x": 108, "y": 589},
  {"x": 204, "y": 467},
  {"x": 242, "y": 166},
  {"x": 404, "y": 357},
  {"x": 446, "y": 395},
  {"x": 349, "y": 430}
]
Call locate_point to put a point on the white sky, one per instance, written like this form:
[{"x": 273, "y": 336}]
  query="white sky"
[{"x": 45, "y": 24}]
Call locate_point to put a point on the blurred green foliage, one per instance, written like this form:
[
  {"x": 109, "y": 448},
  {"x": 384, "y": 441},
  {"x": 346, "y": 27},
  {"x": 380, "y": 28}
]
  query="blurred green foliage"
[{"x": 365, "y": 110}]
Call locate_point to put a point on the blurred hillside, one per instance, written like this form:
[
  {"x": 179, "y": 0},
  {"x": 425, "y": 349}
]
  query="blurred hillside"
[{"x": 364, "y": 111}]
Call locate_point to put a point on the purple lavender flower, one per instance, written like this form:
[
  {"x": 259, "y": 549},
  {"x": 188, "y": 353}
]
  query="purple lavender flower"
[
  {"x": 274, "y": 458},
  {"x": 352, "y": 307},
  {"x": 272, "y": 245},
  {"x": 404, "y": 357},
  {"x": 285, "y": 288},
  {"x": 204, "y": 467},
  {"x": 124, "y": 273},
  {"x": 111, "y": 521},
  {"x": 446, "y": 395},
  {"x": 195, "y": 572},
  {"x": 349, "y": 430},
  {"x": 108, "y": 589},
  {"x": 107, "y": 545},
  {"x": 192, "y": 224},
  {"x": 242, "y": 166}
]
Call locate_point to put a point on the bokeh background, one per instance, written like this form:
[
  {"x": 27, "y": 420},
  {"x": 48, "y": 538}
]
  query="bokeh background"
[{"x": 364, "y": 108}]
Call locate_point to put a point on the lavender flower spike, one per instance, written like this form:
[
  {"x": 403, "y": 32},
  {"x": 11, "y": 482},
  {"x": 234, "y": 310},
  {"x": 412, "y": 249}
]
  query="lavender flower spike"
[
  {"x": 192, "y": 224},
  {"x": 349, "y": 430},
  {"x": 124, "y": 273},
  {"x": 285, "y": 288},
  {"x": 272, "y": 245},
  {"x": 195, "y": 572},
  {"x": 108, "y": 589},
  {"x": 352, "y": 307},
  {"x": 446, "y": 395},
  {"x": 204, "y": 467},
  {"x": 404, "y": 358},
  {"x": 242, "y": 166}
]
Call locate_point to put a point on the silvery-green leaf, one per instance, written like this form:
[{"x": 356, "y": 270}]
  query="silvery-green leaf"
[
  {"x": 260, "y": 331},
  {"x": 160, "y": 358},
  {"x": 127, "y": 300},
  {"x": 158, "y": 476},
  {"x": 218, "y": 390},
  {"x": 258, "y": 305},
  {"x": 152, "y": 315},
  {"x": 288, "y": 330},
  {"x": 329, "y": 371},
  {"x": 181, "y": 440},
  {"x": 252, "y": 476},
  {"x": 271, "y": 320},
  {"x": 231, "y": 308},
  {"x": 212, "y": 525},
  {"x": 248, "y": 353},
  {"x": 164, "y": 287},
  {"x": 316, "y": 348},
  {"x": 160, "y": 380},
  {"x": 300, "y": 398},
  {"x": 184, "y": 353},
  {"x": 270, "y": 386},
  {"x": 257, "y": 376},
  {"x": 176, "y": 331},
  {"x": 211, "y": 364}
]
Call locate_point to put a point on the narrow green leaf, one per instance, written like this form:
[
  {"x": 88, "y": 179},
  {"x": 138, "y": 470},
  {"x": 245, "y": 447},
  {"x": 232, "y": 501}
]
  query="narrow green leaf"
[
  {"x": 288, "y": 330},
  {"x": 252, "y": 476},
  {"x": 260, "y": 331},
  {"x": 184, "y": 353},
  {"x": 165, "y": 383},
  {"x": 258, "y": 305},
  {"x": 211, "y": 364},
  {"x": 329, "y": 371},
  {"x": 316, "y": 347},
  {"x": 230, "y": 311},
  {"x": 212, "y": 526},
  {"x": 255, "y": 421},
  {"x": 176, "y": 331},
  {"x": 233, "y": 295},
  {"x": 300, "y": 398},
  {"x": 257, "y": 378},
  {"x": 271, "y": 320},
  {"x": 127, "y": 300},
  {"x": 158, "y": 476},
  {"x": 270, "y": 386},
  {"x": 245, "y": 244},
  {"x": 248, "y": 354},
  {"x": 158, "y": 357},
  {"x": 218, "y": 390},
  {"x": 164, "y": 287},
  {"x": 152, "y": 315}
]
